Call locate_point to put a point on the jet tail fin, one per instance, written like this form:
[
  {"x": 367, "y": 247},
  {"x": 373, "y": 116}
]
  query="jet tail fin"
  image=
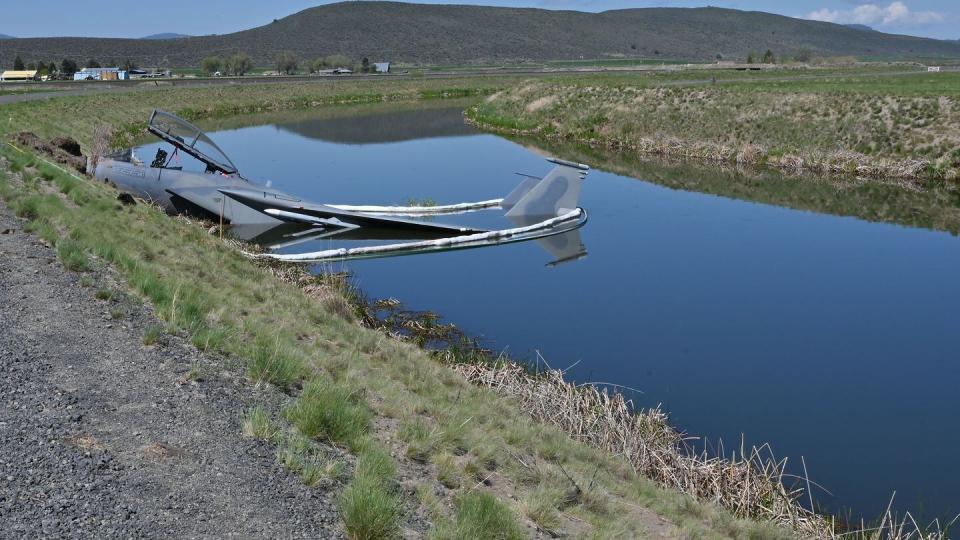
[{"x": 556, "y": 193}]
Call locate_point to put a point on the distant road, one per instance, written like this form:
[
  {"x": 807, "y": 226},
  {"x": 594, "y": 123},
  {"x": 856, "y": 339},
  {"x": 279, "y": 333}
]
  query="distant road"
[{"x": 77, "y": 88}]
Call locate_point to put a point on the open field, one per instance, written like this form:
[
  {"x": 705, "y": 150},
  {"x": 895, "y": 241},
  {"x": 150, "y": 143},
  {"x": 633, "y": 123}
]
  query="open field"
[
  {"x": 425, "y": 439},
  {"x": 870, "y": 125}
]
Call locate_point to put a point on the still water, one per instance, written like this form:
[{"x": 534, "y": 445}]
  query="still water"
[{"x": 829, "y": 336}]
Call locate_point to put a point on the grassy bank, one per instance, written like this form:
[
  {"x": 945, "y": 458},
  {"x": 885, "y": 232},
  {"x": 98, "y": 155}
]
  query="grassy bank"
[
  {"x": 864, "y": 124},
  {"x": 424, "y": 440}
]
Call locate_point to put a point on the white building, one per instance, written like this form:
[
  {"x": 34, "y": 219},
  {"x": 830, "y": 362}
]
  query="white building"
[
  {"x": 382, "y": 67},
  {"x": 101, "y": 74},
  {"x": 14, "y": 75}
]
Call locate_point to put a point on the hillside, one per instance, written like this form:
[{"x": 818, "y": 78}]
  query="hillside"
[
  {"x": 165, "y": 35},
  {"x": 4, "y": 36},
  {"x": 452, "y": 34}
]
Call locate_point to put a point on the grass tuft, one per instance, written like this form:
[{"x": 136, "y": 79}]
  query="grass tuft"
[
  {"x": 479, "y": 515},
  {"x": 369, "y": 506},
  {"x": 152, "y": 334},
  {"x": 274, "y": 363},
  {"x": 316, "y": 471},
  {"x": 540, "y": 506},
  {"x": 104, "y": 293},
  {"x": 330, "y": 410},
  {"x": 258, "y": 425},
  {"x": 447, "y": 471},
  {"x": 72, "y": 255}
]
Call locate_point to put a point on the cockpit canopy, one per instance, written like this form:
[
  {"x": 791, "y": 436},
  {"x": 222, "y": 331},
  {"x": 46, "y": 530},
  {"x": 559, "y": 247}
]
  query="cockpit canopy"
[{"x": 190, "y": 139}]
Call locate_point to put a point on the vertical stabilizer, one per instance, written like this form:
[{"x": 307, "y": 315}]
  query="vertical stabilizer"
[{"x": 557, "y": 193}]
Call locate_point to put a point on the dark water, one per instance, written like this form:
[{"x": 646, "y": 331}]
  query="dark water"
[{"x": 831, "y": 337}]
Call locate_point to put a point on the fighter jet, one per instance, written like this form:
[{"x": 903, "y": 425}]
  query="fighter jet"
[{"x": 539, "y": 207}]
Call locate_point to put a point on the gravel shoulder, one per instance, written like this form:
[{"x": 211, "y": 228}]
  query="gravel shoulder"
[{"x": 102, "y": 436}]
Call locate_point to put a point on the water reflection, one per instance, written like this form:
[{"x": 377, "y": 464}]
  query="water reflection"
[
  {"x": 936, "y": 206},
  {"x": 396, "y": 126}
]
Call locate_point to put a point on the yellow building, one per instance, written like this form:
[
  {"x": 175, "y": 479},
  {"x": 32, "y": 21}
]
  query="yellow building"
[{"x": 11, "y": 75}]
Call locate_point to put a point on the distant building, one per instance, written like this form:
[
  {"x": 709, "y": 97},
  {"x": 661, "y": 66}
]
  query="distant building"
[
  {"x": 101, "y": 74},
  {"x": 933, "y": 69},
  {"x": 12, "y": 75},
  {"x": 154, "y": 75},
  {"x": 382, "y": 67}
]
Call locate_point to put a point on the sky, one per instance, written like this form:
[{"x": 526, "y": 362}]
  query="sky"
[{"x": 137, "y": 18}]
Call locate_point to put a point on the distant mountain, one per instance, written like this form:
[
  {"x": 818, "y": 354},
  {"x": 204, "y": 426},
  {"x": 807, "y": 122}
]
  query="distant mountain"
[
  {"x": 4, "y": 36},
  {"x": 466, "y": 34},
  {"x": 860, "y": 27},
  {"x": 166, "y": 35}
]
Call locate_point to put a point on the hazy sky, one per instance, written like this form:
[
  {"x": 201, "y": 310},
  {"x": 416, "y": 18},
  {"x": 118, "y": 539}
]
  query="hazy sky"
[{"x": 137, "y": 18}]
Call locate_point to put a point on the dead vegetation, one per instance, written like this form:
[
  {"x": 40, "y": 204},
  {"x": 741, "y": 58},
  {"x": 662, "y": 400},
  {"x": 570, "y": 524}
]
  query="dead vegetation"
[{"x": 750, "y": 484}]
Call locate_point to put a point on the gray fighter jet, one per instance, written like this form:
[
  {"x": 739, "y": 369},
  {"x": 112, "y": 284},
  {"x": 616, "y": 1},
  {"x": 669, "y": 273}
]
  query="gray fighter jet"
[{"x": 539, "y": 207}]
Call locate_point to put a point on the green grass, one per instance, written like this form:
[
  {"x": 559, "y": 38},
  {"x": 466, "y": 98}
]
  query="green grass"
[
  {"x": 448, "y": 471},
  {"x": 104, "y": 293},
  {"x": 272, "y": 361},
  {"x": 258, "y": 425},
  {"x": 295, "y": 452},
  {"x": 316, "y": 471},
  {"x": 541, "y": 506},
  {"x": 369, "y": 505},
  {"x": 72, "y": 255},
  {"x": 479, "y": 515},
  {"x": 330, "y": 410}
]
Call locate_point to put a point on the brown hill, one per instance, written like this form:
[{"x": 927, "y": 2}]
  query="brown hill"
[{"x": 456, "y": 34}]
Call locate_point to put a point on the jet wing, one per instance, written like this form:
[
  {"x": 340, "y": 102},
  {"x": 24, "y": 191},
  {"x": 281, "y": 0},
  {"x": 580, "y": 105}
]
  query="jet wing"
[{"x": 319, "y": 214}]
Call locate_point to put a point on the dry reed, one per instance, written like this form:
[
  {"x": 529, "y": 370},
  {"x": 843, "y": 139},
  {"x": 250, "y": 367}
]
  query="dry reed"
[{"x": 749, "y": 483}]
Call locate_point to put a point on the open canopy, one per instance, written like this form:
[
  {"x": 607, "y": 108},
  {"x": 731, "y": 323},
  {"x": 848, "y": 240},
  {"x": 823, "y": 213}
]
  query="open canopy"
[{"x": 190, "y": 139}]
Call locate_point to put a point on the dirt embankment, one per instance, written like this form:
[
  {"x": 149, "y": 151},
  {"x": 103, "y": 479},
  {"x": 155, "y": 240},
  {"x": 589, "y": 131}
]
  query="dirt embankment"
[{"x": 102, "y": 436}]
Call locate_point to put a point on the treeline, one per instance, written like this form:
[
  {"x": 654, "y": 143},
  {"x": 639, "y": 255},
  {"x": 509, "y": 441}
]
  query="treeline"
[
  {"x": 802, "y": 55},
  {"x": 238, "y": 64},
  {"x": 286, "y": 63},
  {"x": 66, "y": 67}
]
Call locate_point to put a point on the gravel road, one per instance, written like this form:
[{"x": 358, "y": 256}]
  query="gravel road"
[{"x": 101, "y": 436}]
